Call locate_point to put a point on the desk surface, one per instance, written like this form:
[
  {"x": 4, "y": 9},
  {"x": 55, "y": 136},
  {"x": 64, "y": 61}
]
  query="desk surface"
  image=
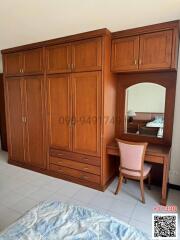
[{"x": 152, "y": 149}]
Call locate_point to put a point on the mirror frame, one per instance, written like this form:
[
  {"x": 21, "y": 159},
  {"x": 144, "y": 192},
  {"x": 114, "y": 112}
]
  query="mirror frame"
[{"x": 165, "y": 79}]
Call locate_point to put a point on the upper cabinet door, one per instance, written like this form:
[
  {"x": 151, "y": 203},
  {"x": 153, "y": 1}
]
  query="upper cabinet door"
[
  {"x": 34, "y": 122},
  {"x": 33, "y": 61},
  {"x": 58, "y": 58},
  {"x": 13, "y": 64},
  {"x": 87, "y": 55},
  {"x": 125, "y": 54},
  {"x": 156, "y": 50},
  {"x": 59, "y": 111},
  {"x": 86, "y": 112},
  {"x": 15, "y": 124}
]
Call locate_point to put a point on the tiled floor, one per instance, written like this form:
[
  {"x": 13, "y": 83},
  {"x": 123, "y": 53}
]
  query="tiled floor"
[{"x": 21, "y": 189}]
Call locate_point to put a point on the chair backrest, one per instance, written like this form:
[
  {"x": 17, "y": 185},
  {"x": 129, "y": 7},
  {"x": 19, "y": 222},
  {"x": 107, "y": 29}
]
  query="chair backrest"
[{"x": 132, "y": 155}]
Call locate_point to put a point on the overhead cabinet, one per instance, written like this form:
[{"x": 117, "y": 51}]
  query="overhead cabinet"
[
  {"x": 28, "y": 62},
  {"x": 145, "y": 52},
  {"x": 79, "y": 56}
]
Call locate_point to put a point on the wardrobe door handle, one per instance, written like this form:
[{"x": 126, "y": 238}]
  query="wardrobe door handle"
[
  {"x": 85, "y": 168},
  {"x": 60, "y": 154},
  {"x": 84, "y": 177}
]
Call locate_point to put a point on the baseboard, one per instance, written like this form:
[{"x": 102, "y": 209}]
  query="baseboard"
[{"x": 174, "y": 186}]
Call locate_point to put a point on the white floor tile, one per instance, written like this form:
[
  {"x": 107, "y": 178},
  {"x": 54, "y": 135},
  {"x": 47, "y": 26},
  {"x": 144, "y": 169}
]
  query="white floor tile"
[
  {"x": 7, "y": 217},
  {"x": 24, "y": 205},
  {"x": 85, "y": 195},
  {"x": 58, "y": 196},
  {"x": 119, "y": 216},
  {"x": 142, "y": 214},
  {"x": 146, "y": 228},
  {"x": 26, "y": 189},
  {"x": 40, "y": 195},
  {"x": 11, "y": 198}
]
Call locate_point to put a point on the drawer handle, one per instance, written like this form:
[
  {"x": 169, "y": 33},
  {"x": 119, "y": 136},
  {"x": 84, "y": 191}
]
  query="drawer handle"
[
  {"x": 85, "y": 168},
  {"x": 84, "y": 177},
  {"x": 60, "y": 170},
  {"x": 60, "y": 154},
  {"x": 85, "y": 158},
  {"x": 60, "y": 162}
]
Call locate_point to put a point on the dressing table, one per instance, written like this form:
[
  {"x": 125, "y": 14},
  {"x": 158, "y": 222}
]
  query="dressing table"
[
  {"x": 159, "y": 148},
  {"x": 154, "y": 154}
]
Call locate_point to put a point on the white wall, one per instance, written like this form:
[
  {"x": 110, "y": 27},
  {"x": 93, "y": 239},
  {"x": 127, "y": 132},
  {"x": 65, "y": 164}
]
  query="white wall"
[
  {"x": 146, "y": 97},
  {"x": 23, "y": 22}
]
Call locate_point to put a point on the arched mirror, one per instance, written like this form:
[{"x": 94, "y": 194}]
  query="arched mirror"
[{"x": 145, "y": 109}]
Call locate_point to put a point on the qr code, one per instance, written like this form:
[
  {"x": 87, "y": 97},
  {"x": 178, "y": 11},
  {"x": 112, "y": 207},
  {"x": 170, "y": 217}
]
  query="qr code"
[{"x": 164, "y": 226}]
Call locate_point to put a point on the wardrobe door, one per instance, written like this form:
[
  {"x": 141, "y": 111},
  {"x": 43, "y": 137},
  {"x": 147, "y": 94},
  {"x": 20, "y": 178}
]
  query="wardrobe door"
[
  {"x": 13, "y": 64},
  {"x": 15, "y": 117},
  {"x": 58, "y": 58},
  {"x": 125, "y": 54},
  {"x": 87, "y": 55},
  {"x": 86, "y": 112},
  {"x": 35, "y": 119},
  {"x": 156, "y": 50},
  {"x": 59, "y": 111},
  {"x": 33, "y": 61}
]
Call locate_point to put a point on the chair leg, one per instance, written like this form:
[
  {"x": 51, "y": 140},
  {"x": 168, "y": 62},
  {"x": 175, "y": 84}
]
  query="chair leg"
[
  {"x": 125, "y": 180},
  {"x": 142, "y": 190},
  {"x": 119, "y": 184},
  {"x": 149, "y": 181}
]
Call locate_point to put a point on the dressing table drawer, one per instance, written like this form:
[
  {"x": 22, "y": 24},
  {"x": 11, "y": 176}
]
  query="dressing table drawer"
[{"x": 154, "y": 159}]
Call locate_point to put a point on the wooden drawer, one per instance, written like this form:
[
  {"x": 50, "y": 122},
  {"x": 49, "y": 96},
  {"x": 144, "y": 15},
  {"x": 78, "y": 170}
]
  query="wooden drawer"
[
  {"x": 76, "y": 165},
  {"x": 75, "y": 173},
  {"x": 154, "y": 159},
  {"x": 76, "y": 157}
]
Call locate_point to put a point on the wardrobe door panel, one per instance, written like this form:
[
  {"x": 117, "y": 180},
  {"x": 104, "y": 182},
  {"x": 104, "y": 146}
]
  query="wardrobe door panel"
[
  {"x": 87, "y": 55},
  {"x": 59, "y": 111},
  {"x": 13, "y": 64},
  {"x": 33, "y": 61},
  {"x": 156, "y": 50},
  {"x": 86, "y": 112},
  {"x": 58, "y": 58},
  {"x": 15, "y": 123},
  {"x": 35, "y": 118},
  {"x": 125, "y": 53}
]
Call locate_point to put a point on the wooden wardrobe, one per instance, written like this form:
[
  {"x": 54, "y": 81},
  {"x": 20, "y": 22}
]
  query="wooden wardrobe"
[
  {"x": 3, "y": 134},
  {"x": 60, "y": 107}
]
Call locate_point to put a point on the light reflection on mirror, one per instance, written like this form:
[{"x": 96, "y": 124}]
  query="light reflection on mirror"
[{"x": 144, "y": 109}]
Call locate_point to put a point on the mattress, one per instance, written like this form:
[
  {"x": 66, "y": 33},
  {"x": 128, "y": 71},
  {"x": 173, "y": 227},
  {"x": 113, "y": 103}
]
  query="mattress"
[{"x": 56, "y": 220}]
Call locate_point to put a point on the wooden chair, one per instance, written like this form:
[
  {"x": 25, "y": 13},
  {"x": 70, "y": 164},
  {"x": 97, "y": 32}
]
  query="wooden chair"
[{"x": 132, "y": 164}]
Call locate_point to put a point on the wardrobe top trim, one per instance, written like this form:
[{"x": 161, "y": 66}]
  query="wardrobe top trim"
[{"x": 76, "y": 37}]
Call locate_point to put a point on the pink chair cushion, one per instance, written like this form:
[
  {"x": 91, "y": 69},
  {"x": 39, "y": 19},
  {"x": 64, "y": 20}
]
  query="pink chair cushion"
[
  {"x": 147, "y": 168},
  {"x": 131, "y": 155}
]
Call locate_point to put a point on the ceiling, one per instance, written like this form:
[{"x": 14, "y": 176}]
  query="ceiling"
[{"x": 24, "y": 22}]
